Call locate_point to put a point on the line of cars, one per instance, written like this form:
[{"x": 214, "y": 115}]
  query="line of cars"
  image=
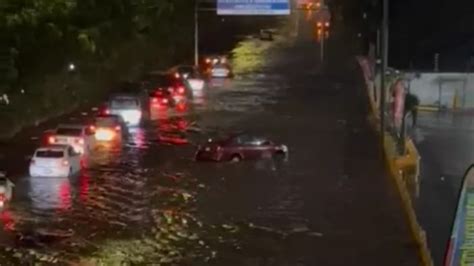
[{"x": 65, "y": 150}]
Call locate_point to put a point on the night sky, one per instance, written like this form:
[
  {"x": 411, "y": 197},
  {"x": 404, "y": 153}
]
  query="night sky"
[{"x": 421, "y": 28}]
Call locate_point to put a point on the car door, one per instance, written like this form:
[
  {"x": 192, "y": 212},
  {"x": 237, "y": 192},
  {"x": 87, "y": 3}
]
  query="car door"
[
  {"x": 264, "y": 148},
  {"x": 248, "y": 147}
]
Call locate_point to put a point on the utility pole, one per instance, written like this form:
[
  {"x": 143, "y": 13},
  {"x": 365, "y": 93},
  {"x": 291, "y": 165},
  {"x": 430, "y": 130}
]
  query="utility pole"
[
  {"x": 384, "y": 68},
  {"x": 196, "y": 33}
]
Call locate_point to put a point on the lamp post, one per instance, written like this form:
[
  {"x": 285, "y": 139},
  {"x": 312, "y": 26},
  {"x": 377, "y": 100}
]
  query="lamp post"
[
  {"x": 384, "y": 68},
  {"x": 196, "y": 33}
]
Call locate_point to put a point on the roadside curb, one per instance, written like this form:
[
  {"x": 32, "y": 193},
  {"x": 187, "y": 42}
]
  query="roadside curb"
[{"x": 396, "y": 165}]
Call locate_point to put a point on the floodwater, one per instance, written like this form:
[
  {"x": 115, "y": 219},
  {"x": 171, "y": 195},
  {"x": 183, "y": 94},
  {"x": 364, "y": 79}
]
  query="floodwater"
[{"x": 149, "y": 202}]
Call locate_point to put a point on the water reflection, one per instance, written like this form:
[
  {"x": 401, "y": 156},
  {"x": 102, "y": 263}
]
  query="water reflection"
[{"x": 50, "y": 193}]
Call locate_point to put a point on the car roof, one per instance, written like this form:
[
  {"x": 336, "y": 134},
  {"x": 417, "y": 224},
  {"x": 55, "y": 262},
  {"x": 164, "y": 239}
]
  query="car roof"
[
  {"x": 57, "y": 147},
  {"x": 72, "y": 126}
]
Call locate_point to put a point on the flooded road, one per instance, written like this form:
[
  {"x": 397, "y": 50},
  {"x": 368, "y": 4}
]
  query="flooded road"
[{"x": 151, "y": 203}]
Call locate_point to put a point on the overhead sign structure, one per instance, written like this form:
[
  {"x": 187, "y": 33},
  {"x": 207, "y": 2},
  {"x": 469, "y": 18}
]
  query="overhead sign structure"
[
  {"x": 460, "y": 250},
  {"x": 253, "y": 7}
]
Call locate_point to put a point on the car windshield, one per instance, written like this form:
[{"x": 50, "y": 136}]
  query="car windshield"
[
  {"x": 69, "y": 131},
  {"x": 49, "y": 154},
  {"x": 124, "y": 103}
]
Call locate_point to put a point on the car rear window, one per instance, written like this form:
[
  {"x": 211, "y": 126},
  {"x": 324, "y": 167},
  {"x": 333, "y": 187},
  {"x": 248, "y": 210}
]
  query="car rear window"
[
  {"x": 49, "y": 154},
  {"x": 69, "y": 131},
  {"x": 105, "y": 122},
  {"x": 124, "y": 103}
]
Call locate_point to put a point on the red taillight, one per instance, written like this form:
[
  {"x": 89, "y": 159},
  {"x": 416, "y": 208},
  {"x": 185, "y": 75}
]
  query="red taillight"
[
  {"x": 3, "y": 197},
  {"x": 118, "y": 128},
  {"x": 65, "y": 163},
  {"x": 80, "y": 141},
  {"x": 92, "y": 128},
  {"x": 51, "y": 140},
  {"x": 154, "y": 100},
  {"x": 181, "y": 90},
  {"x": 176, "y": 75},
  {"x": 218, "y": 148},
  {"x": 107, "y": 111},
  {"x": 164, "y": 101}
]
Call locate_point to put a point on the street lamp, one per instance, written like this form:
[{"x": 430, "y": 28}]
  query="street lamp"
[{"x": 384, "y": 68}]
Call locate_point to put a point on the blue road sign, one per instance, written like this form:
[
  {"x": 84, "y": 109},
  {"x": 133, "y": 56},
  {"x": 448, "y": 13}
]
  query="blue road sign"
[{"x": 253, "y": 7}]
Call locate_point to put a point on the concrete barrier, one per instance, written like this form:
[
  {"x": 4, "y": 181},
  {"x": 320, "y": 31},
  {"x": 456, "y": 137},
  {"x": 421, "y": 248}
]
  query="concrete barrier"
[{"x": 402, "y": 170}]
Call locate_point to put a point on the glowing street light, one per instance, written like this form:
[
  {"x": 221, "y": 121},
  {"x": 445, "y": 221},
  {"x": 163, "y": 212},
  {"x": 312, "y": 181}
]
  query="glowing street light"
[{"x": 71, "y": 67}]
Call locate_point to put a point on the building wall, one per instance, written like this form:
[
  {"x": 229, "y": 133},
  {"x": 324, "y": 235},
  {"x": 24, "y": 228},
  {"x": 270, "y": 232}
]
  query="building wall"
[{"x": 452, "y": 90}]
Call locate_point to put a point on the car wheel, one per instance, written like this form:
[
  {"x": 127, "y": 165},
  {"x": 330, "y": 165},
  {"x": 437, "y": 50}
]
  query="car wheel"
[{"x": 235, "y": 158}]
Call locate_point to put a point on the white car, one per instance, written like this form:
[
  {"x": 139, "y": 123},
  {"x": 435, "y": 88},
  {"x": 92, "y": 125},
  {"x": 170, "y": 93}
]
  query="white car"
[
  {"x": 191, "y": 74},
  {"x": 220, "y": 71},
  {"x": 6, "y": 190},
  {"x": 80, "y": 137},
  {"x": 128, "y": 107},
  {"x": 55, "y": 161}
]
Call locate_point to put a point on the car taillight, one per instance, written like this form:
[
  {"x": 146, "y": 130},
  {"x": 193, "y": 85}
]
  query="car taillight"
[
  {"x": 118, "y": 128},
  {"x": 176, "y": 75},
  {"x": 51, "y": 140},
  {"x": 65, "y": 163},
  {"x": 92, "y": 128},
  {"x": 154, "y": 100},
  {"x": 2, "y": 197},
  {"x": 107, "y": 111},
  {"x": 218, "y": 148},
  {"x": 80, "y": 141},
  {"x": 164, "y": 101},
  {"x": 181, "y": 90}
]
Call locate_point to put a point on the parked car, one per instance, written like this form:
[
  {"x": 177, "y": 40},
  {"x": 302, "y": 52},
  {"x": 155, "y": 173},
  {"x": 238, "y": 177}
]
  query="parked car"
[
  {"x": 240, "y": 147},
  {"x": 55, "y": 161},
  {"x": 110, "y": 128},
  {"x": 80, "y": 137},
  {"x": 128, "y": 106}
]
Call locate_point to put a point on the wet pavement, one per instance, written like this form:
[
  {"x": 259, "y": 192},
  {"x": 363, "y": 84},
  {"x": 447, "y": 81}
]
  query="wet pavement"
[
  {"x": 445, "y": 142},
  {"x": 331, "y": 203}
]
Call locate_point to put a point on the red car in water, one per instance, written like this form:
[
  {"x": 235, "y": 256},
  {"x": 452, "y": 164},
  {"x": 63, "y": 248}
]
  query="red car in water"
[{"x": 240, "y": 147}]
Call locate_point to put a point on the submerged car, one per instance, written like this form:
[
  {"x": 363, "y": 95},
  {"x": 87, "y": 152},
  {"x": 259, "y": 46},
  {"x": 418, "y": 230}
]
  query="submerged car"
[
  {"x": 266, "y": 35},
  {"x": 221, "y": 71},
  {"x": 191, "y": 74},
  {"x": 128, "y": 106},
  {"x": 80, "y": 137},
  {"x": 216, "y": 66},
  {"x": 55, "y": 161},
  {"x": 240, "y": 147},
  {"x": 158, "y": 80},
  {"x": 110, "y": 128}
]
